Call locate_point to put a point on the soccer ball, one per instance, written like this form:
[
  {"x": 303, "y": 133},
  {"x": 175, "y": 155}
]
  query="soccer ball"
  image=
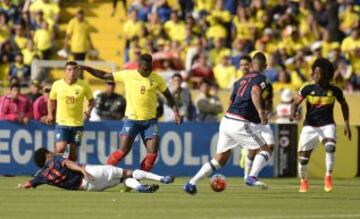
[{"x": 218, "y": 182}]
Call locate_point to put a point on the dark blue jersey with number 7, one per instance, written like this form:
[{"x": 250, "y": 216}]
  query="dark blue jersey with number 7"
[{"x": 241, "y": 103}]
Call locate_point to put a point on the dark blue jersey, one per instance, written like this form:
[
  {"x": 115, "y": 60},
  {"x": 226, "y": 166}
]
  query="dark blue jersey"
[
  {"x": 320, "y": 103},
  {"x": 241, "y": 102},
  {"x": 55, "y": 173}
]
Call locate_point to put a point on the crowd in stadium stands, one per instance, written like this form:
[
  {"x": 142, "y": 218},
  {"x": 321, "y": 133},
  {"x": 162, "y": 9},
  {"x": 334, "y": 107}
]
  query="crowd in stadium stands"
[
  {"x": 27, "y": 32},
  {"x": 205, "y": 39},
  {"x": 195, "y": 46}
]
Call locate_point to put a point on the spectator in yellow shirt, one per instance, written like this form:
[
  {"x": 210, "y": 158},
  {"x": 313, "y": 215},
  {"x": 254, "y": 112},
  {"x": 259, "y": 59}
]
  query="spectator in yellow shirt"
[
  {"x": 4, "y": 29},
  {"x": 78, "y": 36},
  {"x": 218, "y": 51},
  {"x": 132, "y": 26},
  {"x": 50, "y": 9},
  {"x": 175, "y": 28},
  {"x": 349, "y": 43},
  {"x": 349, "y": 18},
  {"x": 20, "y": 38},
  {"x": 29, "y": 53},
  {"x": 43, "y": 40},
  {"x": 225, "y": 72}
]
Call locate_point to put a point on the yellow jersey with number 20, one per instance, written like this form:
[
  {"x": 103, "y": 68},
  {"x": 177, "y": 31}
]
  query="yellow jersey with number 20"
[{"x": 70, "y": 101}]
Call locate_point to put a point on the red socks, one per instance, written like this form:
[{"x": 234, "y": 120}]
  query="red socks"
[
  {"x": 148, "y": 162},
  {"x": 115, "y": 157}
]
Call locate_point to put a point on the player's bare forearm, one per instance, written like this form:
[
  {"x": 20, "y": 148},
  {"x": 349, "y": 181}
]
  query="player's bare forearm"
[
  {"x": 25, "y": 185},
  {"x": 90, "y": 106},
  {"x": 52, "y": 107},
  {"x": 98, "y": 73},
  {"x": 73, "y": 166},
  {"x": 345, "y": 111},
  {"x": 256, "y": 99},
  {"x": 171, "y": 102},
  {"x": 295, "y": 106}
]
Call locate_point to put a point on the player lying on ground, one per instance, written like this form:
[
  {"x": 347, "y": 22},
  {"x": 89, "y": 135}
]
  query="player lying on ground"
[
  {"x": 63, "y": 173},
  {"x": 319, "y": 122}
]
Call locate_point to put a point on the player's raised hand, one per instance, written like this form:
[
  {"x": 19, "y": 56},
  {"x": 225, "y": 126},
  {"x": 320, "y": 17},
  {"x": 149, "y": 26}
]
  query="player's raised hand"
[{"x": 347, "y": 131}]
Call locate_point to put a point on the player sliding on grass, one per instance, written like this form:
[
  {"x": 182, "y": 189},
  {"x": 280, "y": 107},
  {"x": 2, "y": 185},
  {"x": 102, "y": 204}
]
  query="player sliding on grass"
[
  {"x": 141, "y": 88},
  {"x": 319, "y": 122},
  {"x": 235, "y": 130},
  {"x": 63, "y": 173}
]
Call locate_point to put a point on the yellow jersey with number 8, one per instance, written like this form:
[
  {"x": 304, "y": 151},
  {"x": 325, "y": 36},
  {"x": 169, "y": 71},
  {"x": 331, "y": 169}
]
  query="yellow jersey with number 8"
[{"x": 141, "y": 93}]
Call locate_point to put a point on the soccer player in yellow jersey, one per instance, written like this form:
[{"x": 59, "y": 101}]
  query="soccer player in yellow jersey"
[
  {"x": 141, "y": 87},
  {"x": 67, "y": 100}
]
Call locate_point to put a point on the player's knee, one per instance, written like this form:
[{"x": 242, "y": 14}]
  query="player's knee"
[
  {"x": 330, "y": 147},
  {"x": 303, "y": 160}
]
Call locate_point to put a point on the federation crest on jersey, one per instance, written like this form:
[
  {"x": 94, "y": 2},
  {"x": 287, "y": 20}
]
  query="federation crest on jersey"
[
  {"x": 263, "y": 85},
  {"x": 77, "y": 91},
  {"x": 151, "y": 82}
]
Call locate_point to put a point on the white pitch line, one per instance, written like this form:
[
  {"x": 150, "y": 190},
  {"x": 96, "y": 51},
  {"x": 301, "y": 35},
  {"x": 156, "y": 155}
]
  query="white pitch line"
[{"x": 300, "y": 216}]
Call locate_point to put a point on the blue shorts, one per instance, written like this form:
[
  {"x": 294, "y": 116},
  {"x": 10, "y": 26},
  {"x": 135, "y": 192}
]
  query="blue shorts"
[
  {"x": 69, "y": 134},
  {"x": 147, "y": 128}
]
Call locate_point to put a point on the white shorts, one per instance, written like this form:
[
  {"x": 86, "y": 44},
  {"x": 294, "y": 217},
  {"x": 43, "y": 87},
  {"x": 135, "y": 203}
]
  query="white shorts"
[
  {"x": 310, "y": 136},
  {"x": 266, "y": 132},
  {"x": 234, "y": 133},
  {"x": 106, "y": 176}
]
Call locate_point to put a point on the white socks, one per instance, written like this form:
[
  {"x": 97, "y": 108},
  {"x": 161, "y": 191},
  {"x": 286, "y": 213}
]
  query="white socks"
[
  {"x": 140, "y": 174},
  {"x": 259, "y": 162},
  {"x": 248, "y": 166},
  {"x": 329, "y": 163},
  {"x": 303, "y": 168},
  {"x": 205, "y": 170},
  {"x": 132, "y": 183}
]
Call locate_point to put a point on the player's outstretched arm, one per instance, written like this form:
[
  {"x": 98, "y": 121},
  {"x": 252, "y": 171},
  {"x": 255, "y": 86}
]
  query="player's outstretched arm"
[
  {"x": 295, "y": 106},
  {"x": 26, "y": 185},
  {"x": 345, "y": 112},
  {"x": 98, "y": 73},
  {"x": 256, "y": 99},
  {"x": 171, "y": 102}
]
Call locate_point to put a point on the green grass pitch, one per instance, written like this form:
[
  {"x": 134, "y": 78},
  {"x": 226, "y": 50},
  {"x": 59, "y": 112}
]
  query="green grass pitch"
[{"x": 238, "y": 201}]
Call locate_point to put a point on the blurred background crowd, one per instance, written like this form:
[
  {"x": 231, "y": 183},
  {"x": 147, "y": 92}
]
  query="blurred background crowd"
[{"x": 196, "y": 46}]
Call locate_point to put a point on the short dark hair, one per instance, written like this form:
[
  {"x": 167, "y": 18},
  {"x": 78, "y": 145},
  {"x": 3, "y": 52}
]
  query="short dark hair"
[
  {"x": 146, "y": 58},
  {"x": 40, "y": 156},
  {"x": 176, "y": 75},
  {"x": 71, "y": 63},
  {"x": 326, "y": 66},
  {"x": 206, "y": 81},
  {"x": 260, "y": 57},
  {"x": 246, "y": 57},
  {"x": 15, "y": 85}
]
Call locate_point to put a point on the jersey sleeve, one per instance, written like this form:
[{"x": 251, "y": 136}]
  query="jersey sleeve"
[
  {"x": 161, "y": 84},
  {"x": 339, "y": 95},
  {"x": 53, "y": 92},
  {"x": 119, "y": 76},
  {"x": 88, "y": 92},
  {"x": 304, "y": 91},
  {"x": 38, "y": 180},
  {"x": 60, "y": 160}
]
